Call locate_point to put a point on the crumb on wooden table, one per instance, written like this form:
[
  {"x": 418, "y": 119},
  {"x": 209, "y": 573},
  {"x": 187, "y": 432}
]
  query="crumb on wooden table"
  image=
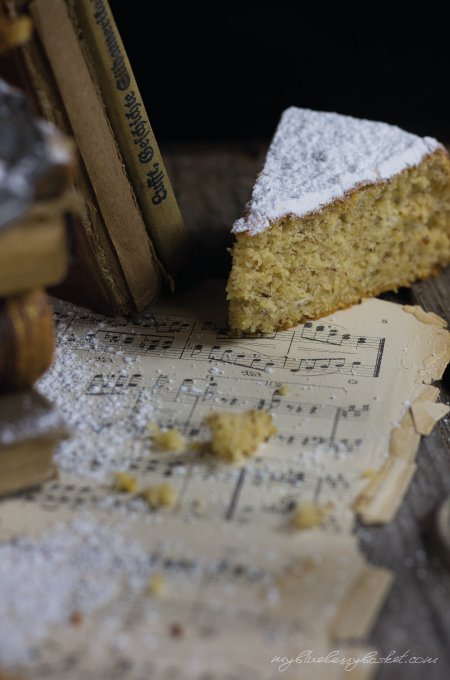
[
  {"x": 125, "y": 482},
  {"x": 310, "y": 515},
  {"x": 369, "y": 473},
  {"x": 238, "y": 435},
  {"x": 160, "y": 496},
  {"x": 168, "y": 439}
]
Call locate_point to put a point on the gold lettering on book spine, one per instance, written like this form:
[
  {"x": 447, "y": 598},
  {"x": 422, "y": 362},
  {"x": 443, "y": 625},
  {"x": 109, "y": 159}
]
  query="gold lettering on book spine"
[{"x": 134, "y": 136}]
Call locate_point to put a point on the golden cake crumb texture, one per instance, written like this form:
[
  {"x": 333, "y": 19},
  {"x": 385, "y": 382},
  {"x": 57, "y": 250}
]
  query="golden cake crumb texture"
[
  {"x": 160, "y": 496},
  {"x": 170, "y": 439},
  {"x": 125, "y": 482},
  {"x": 310, "y": 515},
  {"x": 369, "y": 473},
  {"x": 156, "y": 585},
  {"x": 237, "y": 436}
]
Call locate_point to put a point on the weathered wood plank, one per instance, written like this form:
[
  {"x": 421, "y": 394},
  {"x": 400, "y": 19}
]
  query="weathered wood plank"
[
  {"x": 434, "y": 294},
  {"x": 416, "y": 616},
  {"x": 212, "y": 185}
]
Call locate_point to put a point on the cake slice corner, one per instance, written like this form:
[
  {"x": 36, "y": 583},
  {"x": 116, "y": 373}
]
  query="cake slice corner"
[{"x": 342, "y": 209}]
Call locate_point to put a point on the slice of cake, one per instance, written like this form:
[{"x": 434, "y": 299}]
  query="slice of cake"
[{"x": 342, "y": 209}]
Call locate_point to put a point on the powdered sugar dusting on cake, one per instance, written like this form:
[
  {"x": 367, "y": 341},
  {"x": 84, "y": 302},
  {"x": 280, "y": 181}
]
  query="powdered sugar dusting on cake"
[{"x": 316, "y": 157}]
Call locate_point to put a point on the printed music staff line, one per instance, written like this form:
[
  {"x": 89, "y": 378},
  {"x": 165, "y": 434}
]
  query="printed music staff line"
[{"x": 166, "y": 346}]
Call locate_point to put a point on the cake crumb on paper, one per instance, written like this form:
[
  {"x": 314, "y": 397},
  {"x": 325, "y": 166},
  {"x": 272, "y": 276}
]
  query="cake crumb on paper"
[
  {"x": 283, "y": 390},
  {"x": 168, "y": 439},
  {"x": 156, "y": 585},
  {"x": 310, "y": 515},
  {"x": 125, "y": 482},
  {"x": 160, "y": 496},
  {"x": 237, "y": 436}
]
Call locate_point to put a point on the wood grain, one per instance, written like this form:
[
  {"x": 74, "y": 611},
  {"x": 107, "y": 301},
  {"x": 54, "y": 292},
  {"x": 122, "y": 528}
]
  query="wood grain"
[{"x": 212, "y": 184}]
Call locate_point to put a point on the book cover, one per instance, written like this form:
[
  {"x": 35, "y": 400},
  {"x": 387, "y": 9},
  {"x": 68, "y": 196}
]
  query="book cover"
[
  {"x": 115, "y": 270},
  {"x": 110, "y": 68},
  {"x": 26, "y": 339},
  {"x": 30, "y": 429}
]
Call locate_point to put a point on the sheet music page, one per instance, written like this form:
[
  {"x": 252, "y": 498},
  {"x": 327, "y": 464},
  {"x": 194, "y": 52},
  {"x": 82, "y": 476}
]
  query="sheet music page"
[{"x": 239, "y": 586}]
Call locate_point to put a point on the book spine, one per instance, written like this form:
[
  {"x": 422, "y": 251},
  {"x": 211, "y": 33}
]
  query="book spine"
[
  {"x": 26, "y": 339},
  {"x": 126, "y": 237},
  {"x": 134, "y": 136}
]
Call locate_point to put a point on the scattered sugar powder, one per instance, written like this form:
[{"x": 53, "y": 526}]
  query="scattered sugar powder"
[
  {"x": 104, "y": 438},
  {"x": 316, "y": 157},
  {"x": 41, "y": 420},
  {"x": 77, "y": 567}
]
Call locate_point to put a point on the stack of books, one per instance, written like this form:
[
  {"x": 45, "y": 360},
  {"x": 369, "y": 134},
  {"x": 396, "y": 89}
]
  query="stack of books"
[
  {"x": 36, "y": 162},
  {"x": 130, "y": 238}
]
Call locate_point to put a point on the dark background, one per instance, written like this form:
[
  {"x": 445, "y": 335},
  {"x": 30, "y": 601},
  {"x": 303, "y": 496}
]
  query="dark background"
[{"x": 227, "y": 72}]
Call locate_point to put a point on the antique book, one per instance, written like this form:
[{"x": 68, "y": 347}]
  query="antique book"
[
  {"x": 111, "y": 70},
  {"x": 116, "y": 269},
  {"x": 34, "y": 253},
  {"x": 36, "y": 162},
  {"x": 30, "y": 429},
  {"x": 26, "y": 339}
]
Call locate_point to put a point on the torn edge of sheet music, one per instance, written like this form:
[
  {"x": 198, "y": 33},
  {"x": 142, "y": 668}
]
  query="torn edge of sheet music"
[{"x": 380, "y": 500}]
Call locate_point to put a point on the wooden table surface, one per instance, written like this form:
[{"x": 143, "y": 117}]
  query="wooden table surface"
[{"x": 212, "y": 183}]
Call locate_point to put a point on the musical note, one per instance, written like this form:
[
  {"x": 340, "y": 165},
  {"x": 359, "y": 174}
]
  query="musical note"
[
  {"x": 108, "y": 384},
  {"x": 233, "y": 351},
  {"x": 334, "y": 335}
]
